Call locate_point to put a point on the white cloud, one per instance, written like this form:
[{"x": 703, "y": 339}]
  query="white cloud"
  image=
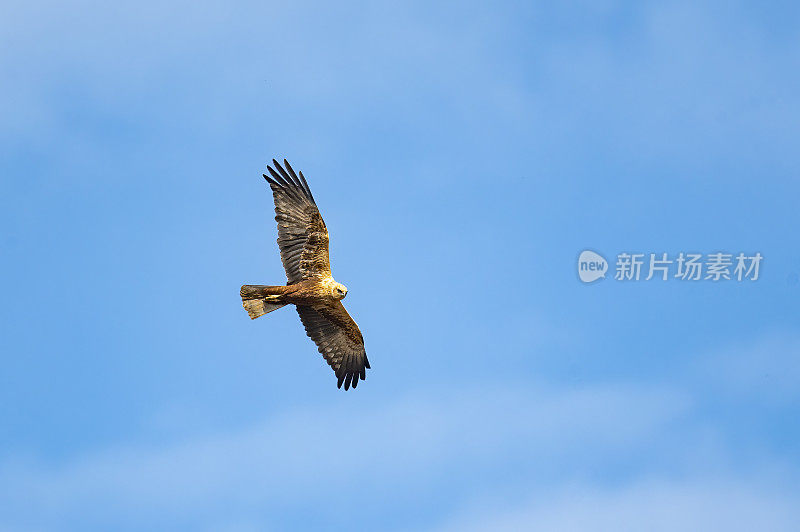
[
  {"x": 686, "y": 74},
  {"x": 328, "y": 453},
  {"x": 729, "y": 504}
]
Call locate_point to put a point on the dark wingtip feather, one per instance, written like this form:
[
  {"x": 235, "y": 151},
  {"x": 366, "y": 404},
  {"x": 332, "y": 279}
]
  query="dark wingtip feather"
[
  {"x": 270, "y": 180},
  {"x": 300, "y": 182},
  {"x": 286, "y": 177},
  {"x": 277, "y": 177},
  {"x": 305, "y": 185},
  {"x": 280, "y": 170},
  {"x": 286, "y": 183},
  {"x": 293, "y": 185},
  {"x": 293, "y": 176}
]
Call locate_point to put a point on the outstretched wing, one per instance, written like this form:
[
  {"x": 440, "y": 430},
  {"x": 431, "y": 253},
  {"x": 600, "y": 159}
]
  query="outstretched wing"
[
  {"x": 302, "y": 235},
  {"x": 339, "y": 340}
]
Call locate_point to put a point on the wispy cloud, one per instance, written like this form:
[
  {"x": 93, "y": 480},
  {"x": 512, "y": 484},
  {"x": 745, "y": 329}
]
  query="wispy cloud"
[
  {"x": 321, "y": 454},
  {"x": 730, "y": 504},
  {"x": 631, "y": 83}
]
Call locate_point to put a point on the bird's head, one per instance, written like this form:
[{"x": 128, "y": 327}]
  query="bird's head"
[{"x": 338, "y": 290}]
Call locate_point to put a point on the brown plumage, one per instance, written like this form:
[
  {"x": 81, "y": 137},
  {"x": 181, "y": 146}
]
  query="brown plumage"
[{"x": 303, "y": 241}]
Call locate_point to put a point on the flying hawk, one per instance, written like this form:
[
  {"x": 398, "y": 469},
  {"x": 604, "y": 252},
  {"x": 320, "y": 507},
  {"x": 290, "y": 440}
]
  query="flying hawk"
[{"x": 303, "y": 241}]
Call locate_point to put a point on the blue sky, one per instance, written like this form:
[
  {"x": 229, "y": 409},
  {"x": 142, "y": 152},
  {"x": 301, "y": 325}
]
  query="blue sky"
[{"x": 463, "y": 155}]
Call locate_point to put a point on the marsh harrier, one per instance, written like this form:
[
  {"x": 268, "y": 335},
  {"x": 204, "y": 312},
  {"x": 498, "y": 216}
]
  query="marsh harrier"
[{"x": 303, "y": 241}]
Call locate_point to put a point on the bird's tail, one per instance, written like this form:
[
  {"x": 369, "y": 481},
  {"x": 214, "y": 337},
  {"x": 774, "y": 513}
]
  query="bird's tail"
[{"x": 259, "y": 300}]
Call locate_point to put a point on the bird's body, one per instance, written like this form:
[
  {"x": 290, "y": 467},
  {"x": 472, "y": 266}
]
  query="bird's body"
[
  {"x": 303, "y": 241},
  {"x": 309, "y": 292}
]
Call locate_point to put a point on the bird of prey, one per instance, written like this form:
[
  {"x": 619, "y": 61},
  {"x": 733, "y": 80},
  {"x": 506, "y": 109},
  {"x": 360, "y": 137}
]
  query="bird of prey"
[{"x": 303, "y": 241}]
